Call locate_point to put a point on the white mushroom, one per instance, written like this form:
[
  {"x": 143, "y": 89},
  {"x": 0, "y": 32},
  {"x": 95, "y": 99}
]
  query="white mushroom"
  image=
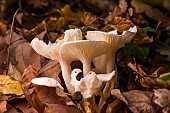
[
  {"x": 91, "y": 84},
  {"x": 51, "y": 51},
  {"x": 74, "y": 82},
  {"x": 106, "y": 77},
  {"x": 46, "y": 81},
  {"x": 84, "y": 51},
  {"x": 116, "y": 41}
]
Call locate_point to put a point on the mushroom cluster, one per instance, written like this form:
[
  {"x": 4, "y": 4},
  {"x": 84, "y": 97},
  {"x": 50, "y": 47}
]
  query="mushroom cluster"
[{"x": 99, "y": 49}]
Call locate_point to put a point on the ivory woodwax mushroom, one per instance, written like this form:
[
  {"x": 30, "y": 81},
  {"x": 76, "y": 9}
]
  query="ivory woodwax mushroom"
[
  {"x": 51, "y": 50},
  {"x": 116, "y": 41},
  {"x": 84, "y": 51},
  {"x": 90, "y": 84},
  {"x": 46, "y": 81}
]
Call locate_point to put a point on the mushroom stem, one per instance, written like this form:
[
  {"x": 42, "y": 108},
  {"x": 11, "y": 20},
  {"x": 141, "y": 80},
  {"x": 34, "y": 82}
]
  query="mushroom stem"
[
  {"x": 107, "y": 89},
  {"x": 66, "y": 72},
  {"x": 109, "y": 85},
  {"x": 86, "y": 67}
]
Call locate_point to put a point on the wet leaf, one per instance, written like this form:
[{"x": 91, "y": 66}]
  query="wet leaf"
[
  {"x": 138, "y": 101},
  {"x": 10, "y": 86}
]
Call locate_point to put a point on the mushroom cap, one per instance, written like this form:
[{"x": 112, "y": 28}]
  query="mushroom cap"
[
  {"x": 83, "y": 50},
  {"x": 49, "y": 51},
  {"x": 73, "y": 34},
  {"x": 106, "y": 77},
  {"x": 89, "y": 85},
  {"x": 116, "y": 41},
  {"x": 46, "y": 81}
]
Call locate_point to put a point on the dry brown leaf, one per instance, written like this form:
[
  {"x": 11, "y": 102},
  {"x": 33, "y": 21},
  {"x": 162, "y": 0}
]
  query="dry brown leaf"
[
  {"x": 88, "y": 18},
  {"x": 3, "y": 29},
  {"x": 21, "y": 53},
  {"x": 11, "y": 109},
  {"x": 149, "y": 81},
  {"x": 49, "y": 97},
  {"x": 49, "y": 110},
  {"x": 24, "y": 106},
  {"x": 123, "y": 5},
  {"x": 51, "y": 69},
  {"x": 117, "y": 106},
  {"x": 3, "y": 106},
  {"x": 163, "y": 99},
  {"x": 141, "y": 37},
  {"x": 138, "y": 101},
  {"x": 120, "y": 24},
  {"x": 13, "y": 72},
  {"x": 10, "y": 86},
  {"x": 29, "y": 74},
  {"x": 150, "y": 11}
]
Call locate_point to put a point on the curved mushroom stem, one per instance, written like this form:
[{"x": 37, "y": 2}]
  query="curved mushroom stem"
[
  {"x": 66, "y": 73},
  {"x": 109, "y": 85}
]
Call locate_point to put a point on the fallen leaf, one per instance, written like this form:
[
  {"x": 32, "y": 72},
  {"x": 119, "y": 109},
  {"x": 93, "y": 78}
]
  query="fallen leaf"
[
  {"x": 138, "y": 101},
  {"x": 150, "y": 11},
  {"x": 3, "y": 106},
  {"x": 117, "y": 106},
  {"x": 120, "y": 24},
  {"x": 48, "y": 96},
  {"x": 141, "y": 37},
  {"x": 23, "y": 106},
  {"x": 88, "y": 18},
  {"x": 11, "y": 109},
  {"x": 123, "y": 5},
  {"x": 13, "y": 72},
  {"x": 51, "y": 69},
  {"x": 163, "y": 99},
  {"x": 153, "y": 80},
  {"x": 10, "y": 86},
  {"x": 163, "y": 49},
  {"x": 3, "y": 29},
  {"x": 29, "y": 74},
  {"x": 21, "y": 53},
  {"x": 67, "y": 16}
]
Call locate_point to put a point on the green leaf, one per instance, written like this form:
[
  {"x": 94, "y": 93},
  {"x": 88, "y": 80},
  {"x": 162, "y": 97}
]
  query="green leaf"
[
  {"x": 136, "y": 50},
  {"x": 149, "y": 29},
  {"x": 164, "y": 77}
]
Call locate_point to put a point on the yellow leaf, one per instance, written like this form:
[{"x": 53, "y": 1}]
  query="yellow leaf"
[{"x": 10, "y": 86}]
